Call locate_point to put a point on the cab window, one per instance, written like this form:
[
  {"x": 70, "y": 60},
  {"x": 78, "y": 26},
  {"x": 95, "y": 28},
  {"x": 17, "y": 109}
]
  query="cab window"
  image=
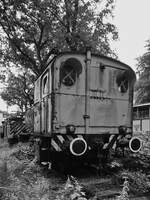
[
  {"x": 122, "y": 82},
  {"x": 69, "y": 71},
  {"x": 45, "y": 84}
]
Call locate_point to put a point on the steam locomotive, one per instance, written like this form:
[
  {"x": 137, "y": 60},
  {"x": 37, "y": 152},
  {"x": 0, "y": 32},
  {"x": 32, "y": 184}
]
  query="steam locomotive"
[{"x": 82, "y": 108}]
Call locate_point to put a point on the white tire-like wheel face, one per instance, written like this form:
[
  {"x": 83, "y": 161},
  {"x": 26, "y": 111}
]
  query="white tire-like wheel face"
[
  {"x": 78, "y": 146},
  {"x": 135, "y": 144}
]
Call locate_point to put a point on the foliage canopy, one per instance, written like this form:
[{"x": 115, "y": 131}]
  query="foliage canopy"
[
  {"x": 32, "y": 32},
  {"x": 142, "y": 87},
  {"x": 37, "y": 29},
  {"x": 19, "y": 90}
]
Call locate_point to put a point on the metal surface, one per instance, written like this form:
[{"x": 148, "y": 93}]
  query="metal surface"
[
  {"x": 107, "y": 106},
  {"x": 93, "y": 93}
]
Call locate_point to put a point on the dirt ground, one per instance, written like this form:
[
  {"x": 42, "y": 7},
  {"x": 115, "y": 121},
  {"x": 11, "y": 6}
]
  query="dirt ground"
[{"x": 21, "y": 178}]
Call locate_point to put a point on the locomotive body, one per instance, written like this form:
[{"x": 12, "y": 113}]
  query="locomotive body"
[{"x": 82, "y": 105}]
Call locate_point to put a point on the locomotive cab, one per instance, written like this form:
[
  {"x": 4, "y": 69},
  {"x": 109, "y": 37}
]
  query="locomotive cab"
[{"x": 82, "y": 101}]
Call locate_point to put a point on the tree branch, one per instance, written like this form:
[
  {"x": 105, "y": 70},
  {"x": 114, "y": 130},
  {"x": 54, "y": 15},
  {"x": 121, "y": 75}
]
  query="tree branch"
[{"x": 75, "y": 15}]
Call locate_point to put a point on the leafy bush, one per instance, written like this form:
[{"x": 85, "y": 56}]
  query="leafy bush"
[
  {"x": 71, "y": 191},
  {"x": 124, "y": 193},
  {"x": 138, "y": 181},
  {"x": 20, "y": 177}
]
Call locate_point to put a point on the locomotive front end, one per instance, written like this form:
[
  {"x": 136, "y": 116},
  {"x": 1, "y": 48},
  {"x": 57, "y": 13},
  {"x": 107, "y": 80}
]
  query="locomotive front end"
[
  {"x": 85, "y": 107},
  {"x": 93, "y": 101}
]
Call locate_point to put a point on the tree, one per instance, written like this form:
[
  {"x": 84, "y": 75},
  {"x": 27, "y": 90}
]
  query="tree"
[
  {"x": 142, "y": 87},
  {"x": 19, "y": 90},
  {"x": 35, "y": 29}
]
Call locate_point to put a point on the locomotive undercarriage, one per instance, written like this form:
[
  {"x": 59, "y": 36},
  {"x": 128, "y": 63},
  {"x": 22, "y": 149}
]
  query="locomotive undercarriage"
[{"x": 56, "y": 150}]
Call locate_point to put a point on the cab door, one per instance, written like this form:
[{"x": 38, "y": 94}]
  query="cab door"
[{"x": 70, "y": 94}]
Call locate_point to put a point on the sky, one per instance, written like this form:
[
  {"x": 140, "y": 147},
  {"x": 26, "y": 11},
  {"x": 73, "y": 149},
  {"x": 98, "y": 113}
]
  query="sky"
[{"x": 132, "y": 21}]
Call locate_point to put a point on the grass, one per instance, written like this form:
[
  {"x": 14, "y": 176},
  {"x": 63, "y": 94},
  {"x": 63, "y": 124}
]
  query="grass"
[{"x": 22, "y": 179}]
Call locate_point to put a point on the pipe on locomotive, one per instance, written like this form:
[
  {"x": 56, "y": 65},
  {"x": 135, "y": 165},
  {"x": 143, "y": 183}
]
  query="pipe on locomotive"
[{"x": 86, "y": 115}]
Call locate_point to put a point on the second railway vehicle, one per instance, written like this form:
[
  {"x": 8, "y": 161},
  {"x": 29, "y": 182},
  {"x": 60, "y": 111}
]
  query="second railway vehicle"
[{"x": 82, "y": 107}]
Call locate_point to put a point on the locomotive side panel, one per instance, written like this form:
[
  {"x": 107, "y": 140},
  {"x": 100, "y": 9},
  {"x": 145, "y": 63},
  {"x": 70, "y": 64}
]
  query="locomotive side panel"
[{"x": 42, "y": 106}]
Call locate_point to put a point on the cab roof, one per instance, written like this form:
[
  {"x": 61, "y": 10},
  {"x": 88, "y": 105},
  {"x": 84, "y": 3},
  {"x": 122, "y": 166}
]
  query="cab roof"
[{"x": 84, "y": 53}]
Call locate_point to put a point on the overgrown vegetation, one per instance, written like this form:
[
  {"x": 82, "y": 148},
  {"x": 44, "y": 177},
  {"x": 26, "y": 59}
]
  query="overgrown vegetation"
[
  {"x": 22, "y": 179},
  {"x": 22, "y": 176}
]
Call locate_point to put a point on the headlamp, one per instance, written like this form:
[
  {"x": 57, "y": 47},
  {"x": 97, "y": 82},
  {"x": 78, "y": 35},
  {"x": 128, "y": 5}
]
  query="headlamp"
[{"x": 78, "y": 146}]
